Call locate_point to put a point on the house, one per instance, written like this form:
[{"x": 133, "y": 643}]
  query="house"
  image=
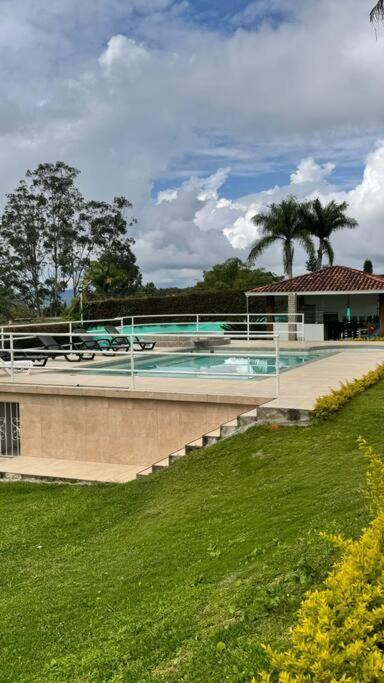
[{"x": 335, "y": 302}]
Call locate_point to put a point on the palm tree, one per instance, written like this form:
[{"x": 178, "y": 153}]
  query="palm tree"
[
  {"x": 322, "y": 221},
  {"x": 282, "y": 223},
  {"x": 377, "y": 13}
]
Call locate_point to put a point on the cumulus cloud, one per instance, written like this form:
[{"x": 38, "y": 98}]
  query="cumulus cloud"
[
  {"x": 308, "y": 171},
  {"x": 133, "y": 92}
]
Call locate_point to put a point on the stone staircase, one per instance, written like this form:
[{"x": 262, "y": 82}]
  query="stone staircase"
[{"x": 260, "y": 415}]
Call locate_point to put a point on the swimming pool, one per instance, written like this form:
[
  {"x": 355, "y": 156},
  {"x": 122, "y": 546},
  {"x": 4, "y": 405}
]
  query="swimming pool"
[
  {"x": 235, "y": 365},
  {"x": 169, "y": 328}
]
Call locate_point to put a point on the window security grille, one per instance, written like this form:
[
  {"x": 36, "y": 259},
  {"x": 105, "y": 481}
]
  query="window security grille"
[{"x": 9, "y": 429}]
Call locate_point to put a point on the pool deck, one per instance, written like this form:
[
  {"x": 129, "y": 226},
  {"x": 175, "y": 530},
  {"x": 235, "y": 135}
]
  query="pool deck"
[{"x": 299, "y": 387}]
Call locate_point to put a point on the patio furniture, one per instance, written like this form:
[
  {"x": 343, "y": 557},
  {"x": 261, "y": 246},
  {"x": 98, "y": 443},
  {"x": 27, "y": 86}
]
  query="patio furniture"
[
  {"x": 38, "y": 360},
  {"x": 17, "y": 367},
  {"x": 144, "y": 344},
  {"x": 104, "y": 344},
  {"x": 49, "y": 343}
]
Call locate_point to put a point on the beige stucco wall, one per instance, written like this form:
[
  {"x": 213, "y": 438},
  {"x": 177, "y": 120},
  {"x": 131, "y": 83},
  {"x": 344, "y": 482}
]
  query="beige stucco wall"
[{"x": 117, "y": 430}]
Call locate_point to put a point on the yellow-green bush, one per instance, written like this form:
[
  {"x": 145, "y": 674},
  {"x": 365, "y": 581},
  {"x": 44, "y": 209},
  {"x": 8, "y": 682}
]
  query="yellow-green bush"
[
  {"x": 339, "y": 636},
  {"x": 331, "y": 403}
]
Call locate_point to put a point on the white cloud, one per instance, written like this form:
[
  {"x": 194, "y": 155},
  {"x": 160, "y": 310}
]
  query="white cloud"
[
  {"x": 132, "y": 92},
  {"x": 123, "y": 51},
  {"x": 308, "y": 171}
]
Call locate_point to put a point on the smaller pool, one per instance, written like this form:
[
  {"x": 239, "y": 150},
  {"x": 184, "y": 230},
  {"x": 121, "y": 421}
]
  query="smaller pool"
[
  {"x": 169, "y": 328},
  {"x": 213, "y": 365}
]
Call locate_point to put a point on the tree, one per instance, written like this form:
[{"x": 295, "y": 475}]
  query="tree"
[
  {"x": 101, "y": 233},
  {"x": 60, "y": 201},
  {"x": 114, "y": 274},
  {"x": 377, "y": 13},
  {"x": 368, "y": 267},
  {"x": 311, "y": 263},
  {"x": 234, "y": 274},
  {"x": 322, "y": 221},
  {"x": 51, "y": 234},
  {"x": 282, "y": 223},
  {"x": 24, "y": 253}
]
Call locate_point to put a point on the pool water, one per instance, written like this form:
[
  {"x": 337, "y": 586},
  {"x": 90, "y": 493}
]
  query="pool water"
[
  {"x": 169, "y": 328},
  {"x": 214, "y": 365}
]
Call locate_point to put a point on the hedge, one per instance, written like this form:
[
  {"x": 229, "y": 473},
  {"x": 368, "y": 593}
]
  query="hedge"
[
  {"x": 224, "y": 302},
  {"x": 339, "y": 635},
  {"x": 333, "y": 402}
]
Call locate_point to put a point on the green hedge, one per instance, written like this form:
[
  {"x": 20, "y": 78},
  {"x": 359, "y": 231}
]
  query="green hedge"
[
  {"x": 196, "y": 302},
  {"x": 333, "y": 402}
]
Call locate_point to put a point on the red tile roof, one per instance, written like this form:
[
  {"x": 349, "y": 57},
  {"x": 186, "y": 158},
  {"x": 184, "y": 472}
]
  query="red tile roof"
[{"x": 332, "y": 279}]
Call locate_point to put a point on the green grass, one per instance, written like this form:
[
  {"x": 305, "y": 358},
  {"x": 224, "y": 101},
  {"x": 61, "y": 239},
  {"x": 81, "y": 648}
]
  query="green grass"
[{"x": 181, "y": 577}]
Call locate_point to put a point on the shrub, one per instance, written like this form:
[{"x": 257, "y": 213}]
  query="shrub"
[
  {"x": 340, "y": 631},
  {"x": 231, "y": 301},
  {"x": 331, "y": 403}
]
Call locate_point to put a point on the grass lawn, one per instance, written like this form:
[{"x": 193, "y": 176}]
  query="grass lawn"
[{"x": 181, "y": 577}]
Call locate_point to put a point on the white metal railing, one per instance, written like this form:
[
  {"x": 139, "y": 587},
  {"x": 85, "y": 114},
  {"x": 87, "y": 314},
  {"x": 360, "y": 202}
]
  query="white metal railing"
[
  {"x": 15, "y": 353},
  {"x": 285, "y": 324}
]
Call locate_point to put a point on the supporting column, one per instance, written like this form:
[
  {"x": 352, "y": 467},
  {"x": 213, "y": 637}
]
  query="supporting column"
[
  {"x": 292, "y": 310},
  {"x": 381, "y": 314}
]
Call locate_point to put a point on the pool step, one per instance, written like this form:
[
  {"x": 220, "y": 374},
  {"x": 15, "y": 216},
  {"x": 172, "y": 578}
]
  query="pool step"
[{"x": 239, "y": 424}]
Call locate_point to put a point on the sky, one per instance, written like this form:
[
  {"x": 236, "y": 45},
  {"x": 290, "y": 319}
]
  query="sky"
[{"x": 202, "y": 113}]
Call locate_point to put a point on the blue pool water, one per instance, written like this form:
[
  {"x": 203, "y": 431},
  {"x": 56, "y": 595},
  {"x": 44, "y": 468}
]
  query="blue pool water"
[
  {"x": 169, "y": 328},
  {"x": 216, "y": 365}
]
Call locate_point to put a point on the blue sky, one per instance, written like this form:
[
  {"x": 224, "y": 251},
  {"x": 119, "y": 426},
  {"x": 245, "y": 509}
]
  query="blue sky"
[{"x": 219, "y": 106}]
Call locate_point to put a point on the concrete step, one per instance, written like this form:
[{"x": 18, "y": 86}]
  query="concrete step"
[
  {"x": 145, "y": 473},
  {"x": 229, "y": 428},
  {"x": 248, "y": 418},
  {"x": 178, "y": 455},
  {"x": 194, "y": 445},
  {"x": 211, "y": 438},
  {"x": 283, "y": 416},
  {"x": 161, "y": 465}
]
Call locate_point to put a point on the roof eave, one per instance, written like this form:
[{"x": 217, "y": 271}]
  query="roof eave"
[{"x": 324, "y": 292}]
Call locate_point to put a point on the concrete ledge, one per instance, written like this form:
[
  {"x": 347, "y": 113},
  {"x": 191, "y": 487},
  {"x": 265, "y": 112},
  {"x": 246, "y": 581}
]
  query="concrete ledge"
[{"x": 125, "y": 393}]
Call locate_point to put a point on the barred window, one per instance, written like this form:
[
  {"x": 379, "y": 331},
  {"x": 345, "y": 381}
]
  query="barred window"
[{"x": 9, "y": 429}]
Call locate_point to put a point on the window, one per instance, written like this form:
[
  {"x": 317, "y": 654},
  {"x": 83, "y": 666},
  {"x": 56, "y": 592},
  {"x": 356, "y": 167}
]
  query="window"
[{"x": 9, "y": 429}]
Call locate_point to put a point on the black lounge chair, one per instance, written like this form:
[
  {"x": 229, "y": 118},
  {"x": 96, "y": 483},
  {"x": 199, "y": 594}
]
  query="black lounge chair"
[
  {"x": 145, "y": 345},
  {"x": 64, "y": 350},
  {"x": 104, "y": 344},
  {"x": 39, "y": 360}
]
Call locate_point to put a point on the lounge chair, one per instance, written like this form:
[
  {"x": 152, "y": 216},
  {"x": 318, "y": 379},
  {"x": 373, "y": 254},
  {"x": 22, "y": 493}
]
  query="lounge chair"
[
  {"x": 96, "y": 343},
  {"x": 17, "y": 367},
  {"x": 38, "y": 359},
  {"x": 144, "y": 344},
  {"x": 62, "y": 350}
]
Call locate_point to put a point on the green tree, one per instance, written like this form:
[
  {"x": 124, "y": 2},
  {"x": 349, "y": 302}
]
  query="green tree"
[
  {"x": 112, "y": 275},
  {"x": 377, "y": 13},
  {"x": 368, "y": 266},
  {"x": 234, "y": 274},
  {"x": 51, "y": 234},
  {"x": 24, "y": 252},
  {"x": 59, "y": 202},
  {"x": 322, "y": 221},
  {"x": 311, "y": 263},
  {"x": 282, "y": 223},
  {"x": 101, "y": 233}
]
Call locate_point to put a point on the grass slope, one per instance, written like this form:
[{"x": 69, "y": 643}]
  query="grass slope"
[{"x": 179, "y": 578}]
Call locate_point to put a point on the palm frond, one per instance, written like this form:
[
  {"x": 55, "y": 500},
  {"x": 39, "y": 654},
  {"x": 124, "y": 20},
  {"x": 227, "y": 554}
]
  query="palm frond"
[
  {"x": 306, "y": 242},
  {"x": 376, "y": 15},
  {"x": 261, "y": 245}
]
